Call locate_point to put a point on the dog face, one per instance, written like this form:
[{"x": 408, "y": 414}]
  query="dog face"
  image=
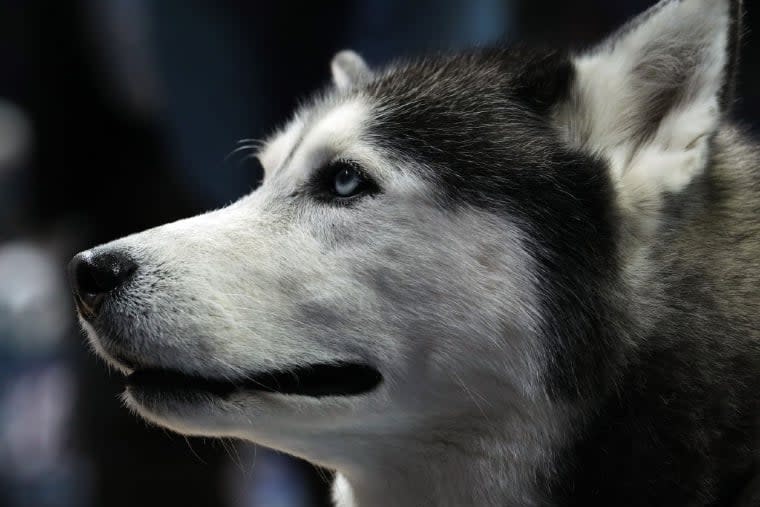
[
  {"x": 429, "y": 249},
  {"x": 344, "y": 264},
  {"x": 337, "y": 295}
]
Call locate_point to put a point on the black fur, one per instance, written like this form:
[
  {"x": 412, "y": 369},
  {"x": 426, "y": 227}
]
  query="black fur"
[
  {"x": 669, "y": 421},
  {"x": 736, "y": 34},
  {"x": 509, "y": 159}
]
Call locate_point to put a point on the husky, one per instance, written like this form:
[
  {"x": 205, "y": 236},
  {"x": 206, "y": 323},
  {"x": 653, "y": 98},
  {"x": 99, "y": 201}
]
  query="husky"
[{"x": 502, "y": 277}]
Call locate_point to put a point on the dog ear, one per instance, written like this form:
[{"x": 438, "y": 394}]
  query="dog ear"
[
  {"x": 651, "y": 97},
  {"x": 544, "y": 79},
  {"x": 348, "y": 68}
]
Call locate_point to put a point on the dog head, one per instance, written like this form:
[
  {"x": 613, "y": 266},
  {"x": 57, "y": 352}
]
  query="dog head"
[{"x": 434, "y": 245}]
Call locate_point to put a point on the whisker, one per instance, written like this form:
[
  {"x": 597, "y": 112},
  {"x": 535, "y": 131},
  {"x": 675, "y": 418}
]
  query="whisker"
[
  {"x": 252, "y": 142},
  {"x": 239, "y": 149}
]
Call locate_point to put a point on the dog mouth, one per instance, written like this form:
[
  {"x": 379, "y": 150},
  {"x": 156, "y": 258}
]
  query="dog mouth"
[{"x": 318, "y": 380}]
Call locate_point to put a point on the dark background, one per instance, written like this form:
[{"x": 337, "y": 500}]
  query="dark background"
[{"x": 118, "y": 115}]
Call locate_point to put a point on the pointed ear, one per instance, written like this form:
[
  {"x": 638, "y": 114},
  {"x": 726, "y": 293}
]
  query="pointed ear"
[
  {"x": 348, "y": 69},
  {"x": 652, "y": 96}
]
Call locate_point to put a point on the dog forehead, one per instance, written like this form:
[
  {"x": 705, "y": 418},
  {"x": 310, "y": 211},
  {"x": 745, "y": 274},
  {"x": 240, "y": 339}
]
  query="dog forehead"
[
  {"x": 338, "y": 117},
  {"x": 449, "y": 113},
  {"x": 328, "y": 128},
  {"x": 466, "y": 107}
]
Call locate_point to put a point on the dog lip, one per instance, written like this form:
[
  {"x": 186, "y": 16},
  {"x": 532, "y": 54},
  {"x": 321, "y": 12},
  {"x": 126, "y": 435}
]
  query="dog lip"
[
  {"x": 315, "y": 380},
  {"x": 127, "y": 362},
  {"x": 87, "y": 311}
]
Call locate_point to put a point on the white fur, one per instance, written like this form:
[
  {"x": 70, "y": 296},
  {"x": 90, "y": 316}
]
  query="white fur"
[
  {"x": 332, "y": 133},
  {"x": 614, "y": 96},
  {"x": 276, "y": 281},
  {"x": 442, "y": 302},
  {"x": 274, "y": 152},
  {"x": 348, "y": 69}
]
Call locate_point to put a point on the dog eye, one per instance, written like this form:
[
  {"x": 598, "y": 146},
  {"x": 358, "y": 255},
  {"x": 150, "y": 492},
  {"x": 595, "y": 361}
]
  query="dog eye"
[
  {"x": 348, "y": 182},
  {"x": 342, "y": 182}
]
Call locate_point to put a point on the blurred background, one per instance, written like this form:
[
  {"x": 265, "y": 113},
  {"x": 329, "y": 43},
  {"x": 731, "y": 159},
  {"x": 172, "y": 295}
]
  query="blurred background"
[{"x": 118, "y": 115}]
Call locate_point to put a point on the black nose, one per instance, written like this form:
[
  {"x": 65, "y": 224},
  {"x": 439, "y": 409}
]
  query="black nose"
[{"x": 94, "y": 275}]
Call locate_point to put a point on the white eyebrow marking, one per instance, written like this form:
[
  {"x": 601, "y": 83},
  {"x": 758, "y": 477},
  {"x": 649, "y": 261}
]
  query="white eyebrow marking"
[
  {"x": 276, "y": 151},
  {"x": 336, "y": 132}
]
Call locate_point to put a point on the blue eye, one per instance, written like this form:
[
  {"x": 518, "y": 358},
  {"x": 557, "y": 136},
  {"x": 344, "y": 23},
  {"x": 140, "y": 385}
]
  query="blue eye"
[
  {"x": 341, "y": 182},
  {"x": 348, "y": 182}
]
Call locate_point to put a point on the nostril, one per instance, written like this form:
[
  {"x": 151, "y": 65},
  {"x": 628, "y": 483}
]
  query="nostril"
[
  {"x": 95, "y": 274},
  {"x": 84, "y": 278},
  {"x": 104, "y": 272}
]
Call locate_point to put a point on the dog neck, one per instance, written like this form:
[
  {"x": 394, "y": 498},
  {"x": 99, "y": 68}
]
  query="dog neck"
[{"x": 484, "y": 471}]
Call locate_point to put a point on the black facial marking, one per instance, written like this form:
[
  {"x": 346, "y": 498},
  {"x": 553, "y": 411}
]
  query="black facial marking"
[
  {"x": 660, "y": 431},
  {"x": 480, "y": 121}
]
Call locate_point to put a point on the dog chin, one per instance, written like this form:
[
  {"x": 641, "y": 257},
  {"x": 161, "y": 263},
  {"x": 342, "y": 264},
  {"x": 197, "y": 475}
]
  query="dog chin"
[
  {"x": 198, "y": 416},
  {"x": 94, "y": 340}
]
